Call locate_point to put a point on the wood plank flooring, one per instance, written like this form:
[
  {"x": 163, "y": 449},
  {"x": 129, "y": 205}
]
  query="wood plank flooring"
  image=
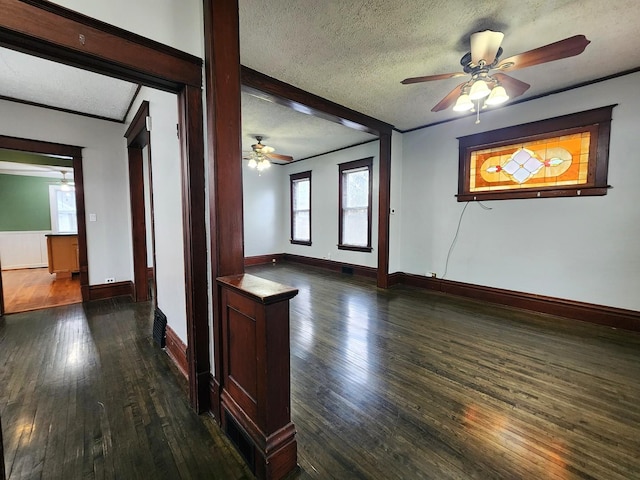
[
  {"x": 409, "y": 384},
  {"x": 35, "y": 288},
  {"x": 386, "y": 384},
  {"x": 85, "y": 394}
]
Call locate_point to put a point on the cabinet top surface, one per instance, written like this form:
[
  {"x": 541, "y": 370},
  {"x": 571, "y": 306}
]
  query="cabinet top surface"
[{"x": 260, "y": 289}]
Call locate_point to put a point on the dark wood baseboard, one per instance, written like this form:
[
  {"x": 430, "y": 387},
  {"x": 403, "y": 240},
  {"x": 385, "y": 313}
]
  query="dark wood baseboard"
[
  {"x": 333, "y": 265},
  {"x": 177, "y": 351},
  {"x": 263, "y": 259},
  {"x": 110, "y": 290},
  {"x": 586, "y": 312},
  {"x": 214, "y": 395}
]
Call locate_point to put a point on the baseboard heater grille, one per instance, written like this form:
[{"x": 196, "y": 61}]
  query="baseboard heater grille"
[
  {"x": 241, "y": 441},
  {"x": 159, "y": 328}
]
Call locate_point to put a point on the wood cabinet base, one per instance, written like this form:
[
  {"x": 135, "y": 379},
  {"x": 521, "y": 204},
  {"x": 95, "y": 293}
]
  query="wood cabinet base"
[
  {"x": 255, "y": 389},
  {"x": 272, "y": 456}
]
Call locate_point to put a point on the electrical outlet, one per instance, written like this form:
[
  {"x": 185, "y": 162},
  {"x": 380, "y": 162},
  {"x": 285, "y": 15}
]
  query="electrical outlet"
[
  {"x": 431, "y": 274},
  {"x": 110, "y": 280}
]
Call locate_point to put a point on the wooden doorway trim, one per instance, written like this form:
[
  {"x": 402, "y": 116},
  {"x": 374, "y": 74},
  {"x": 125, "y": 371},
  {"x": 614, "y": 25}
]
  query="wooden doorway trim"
[
  {"x": 74, "y": 152},
  {"x": 41, "y": 28},
  {"x": 138, "y": 137},
  {"x": 289, "y": 96}
]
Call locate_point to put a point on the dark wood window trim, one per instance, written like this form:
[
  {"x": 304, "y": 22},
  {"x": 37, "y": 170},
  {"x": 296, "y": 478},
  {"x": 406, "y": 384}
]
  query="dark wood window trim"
[
  {"x": 342, "y": 169},
  {"x": 292, "y": 179},
  {"x": 596, "y": 121}
]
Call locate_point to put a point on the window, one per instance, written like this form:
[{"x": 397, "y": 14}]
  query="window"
[
  {"x": 62, "y": 203},
  {"x": 301, "y": 208},
  {"x": 559, "y": 157},
  {"x": 355, "y": 205}
]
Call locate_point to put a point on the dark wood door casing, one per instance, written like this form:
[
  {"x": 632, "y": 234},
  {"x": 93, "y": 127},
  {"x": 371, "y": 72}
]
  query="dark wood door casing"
[
  {"x": 138, "y": 137},
  {"x": 44, "y": 29}
]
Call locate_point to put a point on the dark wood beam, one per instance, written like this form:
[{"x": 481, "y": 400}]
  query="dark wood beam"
[
  {"x": 293, "y": 97},
  {"x": 47, "y": 30}
]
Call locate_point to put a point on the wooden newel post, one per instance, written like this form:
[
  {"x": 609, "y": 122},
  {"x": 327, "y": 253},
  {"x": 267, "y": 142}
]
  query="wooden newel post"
[{"x": 255, "y": 390}]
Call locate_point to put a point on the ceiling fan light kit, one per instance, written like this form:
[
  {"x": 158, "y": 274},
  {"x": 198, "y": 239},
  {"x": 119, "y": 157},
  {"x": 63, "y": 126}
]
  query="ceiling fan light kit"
[
  {"x": 261, "y": 155},
  {"x": 488, "y": 90}
]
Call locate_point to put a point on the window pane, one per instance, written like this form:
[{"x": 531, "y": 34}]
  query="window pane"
[
  {"x": 66, "y": 211},
  {"x": 67, "y": 223},
  {"x": 66, "y": 201},
  {"x": 301, "y": 195},
  {"x": 356, "y": 189},
  {"x": 301, "y": 229},
  {"x": 355, "y": 227}
]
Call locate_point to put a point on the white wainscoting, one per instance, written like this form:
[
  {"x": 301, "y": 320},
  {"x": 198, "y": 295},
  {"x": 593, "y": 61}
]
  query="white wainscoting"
[{"x": 23, "y": 250}]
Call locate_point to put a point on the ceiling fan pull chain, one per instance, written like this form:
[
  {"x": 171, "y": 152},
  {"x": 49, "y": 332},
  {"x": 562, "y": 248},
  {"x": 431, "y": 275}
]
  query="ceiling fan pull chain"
[{"x": 478, "y": 113}]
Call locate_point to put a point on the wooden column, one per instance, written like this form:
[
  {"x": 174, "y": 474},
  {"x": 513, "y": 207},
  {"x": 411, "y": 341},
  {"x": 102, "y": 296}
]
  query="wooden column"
[
  {"x": 256, "y": 395},
  {"x": 222, "y": 71}
]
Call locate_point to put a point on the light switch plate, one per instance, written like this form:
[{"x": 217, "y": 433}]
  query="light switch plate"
[{"x": 93, "y": 217}]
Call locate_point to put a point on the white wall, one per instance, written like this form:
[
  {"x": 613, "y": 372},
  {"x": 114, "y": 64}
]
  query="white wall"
[
  {"x": 167, "y": 205},
  {"x": 263, "y": 203},
  {"x": 166, "y": 21},
  {"x": 105, "y": 180},
  {"x": 324, "y": 206},
  {"x": 395, "y": 215},
  {"x": 579, "y": 248}
]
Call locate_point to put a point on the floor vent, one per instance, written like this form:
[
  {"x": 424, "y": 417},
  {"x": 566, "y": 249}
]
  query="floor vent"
[
  {"x": 347, "y": 270},
  {"x": 159, "y": 328},
  {"x": 241, "y": 441}
]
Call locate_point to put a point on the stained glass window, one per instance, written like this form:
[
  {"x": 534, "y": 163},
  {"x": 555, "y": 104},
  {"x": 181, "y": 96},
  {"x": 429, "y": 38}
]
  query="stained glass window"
[{"x": 562, "y": 156}]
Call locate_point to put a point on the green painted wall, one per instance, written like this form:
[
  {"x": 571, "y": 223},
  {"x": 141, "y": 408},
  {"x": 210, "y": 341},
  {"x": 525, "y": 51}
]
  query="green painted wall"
[{"x": 24, "y": 203}]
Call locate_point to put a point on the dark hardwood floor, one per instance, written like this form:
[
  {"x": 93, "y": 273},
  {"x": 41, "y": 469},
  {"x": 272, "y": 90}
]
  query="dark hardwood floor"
[
  {"x": 386, "y": 384},
  {"x": 35, "y": 288},
  {"x": 86, "y": 394},
  {"x": 408, "y": 384}
]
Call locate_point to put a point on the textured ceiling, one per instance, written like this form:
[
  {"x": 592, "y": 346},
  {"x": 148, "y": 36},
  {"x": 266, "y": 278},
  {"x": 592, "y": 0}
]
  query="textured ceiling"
[
  {"x": 41, "y": 81},
  {"x": 293, "y": 133},
  {"x": 356, "y": 52}
]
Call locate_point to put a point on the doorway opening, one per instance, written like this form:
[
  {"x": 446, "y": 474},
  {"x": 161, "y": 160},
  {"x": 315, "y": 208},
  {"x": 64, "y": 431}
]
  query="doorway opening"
[{"x": 41, "y": 242}]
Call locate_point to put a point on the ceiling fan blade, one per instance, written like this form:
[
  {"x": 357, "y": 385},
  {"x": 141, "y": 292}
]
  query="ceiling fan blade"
[
  {"x": 430, "y": 78},
  {"x": 568, "y": 47},
  {"x": 513, "y": 86},
  {"x": 450, "y": 99},
  {"x": 277, "y": 156},
  {"x": 485, "y": 45}
]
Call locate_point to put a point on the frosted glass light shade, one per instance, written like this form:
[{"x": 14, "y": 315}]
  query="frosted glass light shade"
[
  {"x": 479, "y": 90},
  {"x": 498, "y": 96},
  {"x": 463, "y": 104},
  {"x": 253, "y": 163}
]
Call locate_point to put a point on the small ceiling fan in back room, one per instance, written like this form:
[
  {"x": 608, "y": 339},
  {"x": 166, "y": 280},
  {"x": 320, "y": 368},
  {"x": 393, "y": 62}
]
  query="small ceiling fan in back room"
[
  {"x": 487, "y": 88},
  {"x": 261, "y": 156}
]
